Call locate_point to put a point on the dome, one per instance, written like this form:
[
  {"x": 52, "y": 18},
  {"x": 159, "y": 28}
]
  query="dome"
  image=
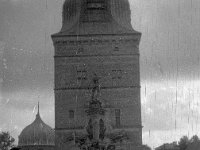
[
  {"x": 37, "y": 133},
  {"x": 120, "y": 10},
  {"x": 96, "y": 16},
  {"x": 71, "y": 13}
]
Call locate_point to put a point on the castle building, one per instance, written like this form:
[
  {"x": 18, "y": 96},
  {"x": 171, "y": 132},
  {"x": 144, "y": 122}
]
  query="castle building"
[
  {"x": 97, "y": 77},
  {"x": 37, "y": 136}
]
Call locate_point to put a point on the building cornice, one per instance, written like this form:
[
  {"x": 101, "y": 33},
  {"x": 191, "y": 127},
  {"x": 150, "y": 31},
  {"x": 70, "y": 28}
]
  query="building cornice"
[{"x": 102, "y": 88}]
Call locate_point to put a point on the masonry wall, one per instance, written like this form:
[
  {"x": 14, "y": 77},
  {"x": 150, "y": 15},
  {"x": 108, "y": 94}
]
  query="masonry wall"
[{"x": 115, "y": 59}]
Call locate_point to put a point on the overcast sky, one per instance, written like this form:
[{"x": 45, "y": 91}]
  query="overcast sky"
[{"x": 170, "y": 65}]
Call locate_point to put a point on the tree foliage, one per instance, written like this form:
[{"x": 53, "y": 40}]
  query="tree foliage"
[
  {"x": 194, "y": 139},
  {"x": 185, "y": 141},
  {"x": 6, "y": 141}
]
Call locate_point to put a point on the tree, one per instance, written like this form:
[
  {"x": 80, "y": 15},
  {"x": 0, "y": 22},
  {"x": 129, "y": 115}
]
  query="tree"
[
  {"x": 6, "y": 141},
  {"x": 183, "y": 143},
  {"x": 194, "y": 139}
]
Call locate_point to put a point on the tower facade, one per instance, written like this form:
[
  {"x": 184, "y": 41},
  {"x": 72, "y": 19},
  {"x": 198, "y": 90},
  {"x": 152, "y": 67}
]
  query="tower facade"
[{"x": 97, "y": 77}]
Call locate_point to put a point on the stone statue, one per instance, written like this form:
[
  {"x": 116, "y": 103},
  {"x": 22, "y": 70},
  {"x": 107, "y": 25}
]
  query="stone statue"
[{"x": 96, "y": 88}]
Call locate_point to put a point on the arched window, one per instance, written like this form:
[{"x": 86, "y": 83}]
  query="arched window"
[{"x": 102, "y": 129}]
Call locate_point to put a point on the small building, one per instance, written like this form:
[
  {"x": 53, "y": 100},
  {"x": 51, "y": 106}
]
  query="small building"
[
  {"x": 168, "y": 146},
  {"x": 37, "y": 136}
]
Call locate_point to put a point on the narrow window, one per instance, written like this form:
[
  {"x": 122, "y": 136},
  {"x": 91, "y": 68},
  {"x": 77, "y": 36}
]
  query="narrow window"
[
  {"x": 117, "y": 117},
  {"x": 71, "y": 114},
  {"x": 81, "y": 73},
  {"x": 80, "y": 50},
  {"x": 102, "y": 129},
  {"x": 116, "y": 74}
]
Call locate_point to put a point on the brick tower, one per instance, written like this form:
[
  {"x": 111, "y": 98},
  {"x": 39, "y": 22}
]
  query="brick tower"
[{"x": 97, "y": 77}]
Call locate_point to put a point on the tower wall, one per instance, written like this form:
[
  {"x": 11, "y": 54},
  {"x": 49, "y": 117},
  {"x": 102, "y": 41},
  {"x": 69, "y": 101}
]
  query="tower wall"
[
  {"x": 97, "y": 40},
  {"x": 115, "y": 59}
]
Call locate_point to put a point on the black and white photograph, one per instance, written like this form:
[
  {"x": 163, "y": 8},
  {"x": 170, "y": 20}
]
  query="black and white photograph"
[{"x": 99, "y": 74}]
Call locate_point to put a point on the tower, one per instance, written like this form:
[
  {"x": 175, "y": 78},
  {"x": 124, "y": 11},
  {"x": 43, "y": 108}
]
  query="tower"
[{"x": 97, "y": 77}]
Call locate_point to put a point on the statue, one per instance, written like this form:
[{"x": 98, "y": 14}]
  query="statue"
[
  {"x": 96, "y": 127},
  {"x": 96, "y": 88}
]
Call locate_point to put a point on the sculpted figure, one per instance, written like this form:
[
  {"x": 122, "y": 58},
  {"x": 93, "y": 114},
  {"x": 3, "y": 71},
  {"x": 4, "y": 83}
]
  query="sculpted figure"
[{"x": 96, "y": 88}]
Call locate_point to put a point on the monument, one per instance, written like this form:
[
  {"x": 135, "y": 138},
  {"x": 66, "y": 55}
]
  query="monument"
[{"x": 97, "y": 77}]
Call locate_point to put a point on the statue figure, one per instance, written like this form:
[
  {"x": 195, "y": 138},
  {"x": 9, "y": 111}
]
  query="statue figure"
[{"x": 96, "y": 88}]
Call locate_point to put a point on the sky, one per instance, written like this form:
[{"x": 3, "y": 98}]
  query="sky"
[{"x": 170, "y": 65}]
